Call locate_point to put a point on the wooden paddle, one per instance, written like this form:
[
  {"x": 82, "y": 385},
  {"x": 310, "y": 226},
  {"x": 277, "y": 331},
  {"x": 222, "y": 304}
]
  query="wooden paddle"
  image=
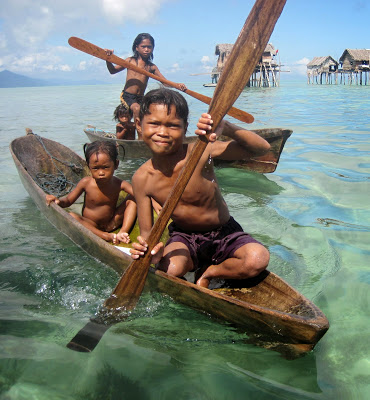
[
  {"x": 245, "y": 54},
  {"x": 98, "y": 52}
]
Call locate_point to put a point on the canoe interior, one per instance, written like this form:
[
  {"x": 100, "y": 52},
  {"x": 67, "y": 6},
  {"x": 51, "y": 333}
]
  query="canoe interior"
[
  {"x": 46, "y": 161},
  {"x": 268, "y": 292},
  {"x": 266, "y": 305}
]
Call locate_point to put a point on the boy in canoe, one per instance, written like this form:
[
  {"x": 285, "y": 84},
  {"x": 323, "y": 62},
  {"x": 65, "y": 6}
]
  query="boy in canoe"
[
  {"x": 203, "y": 236},
  {"x": 136, "y": 83},
  {"x": 100, "y": 213}
]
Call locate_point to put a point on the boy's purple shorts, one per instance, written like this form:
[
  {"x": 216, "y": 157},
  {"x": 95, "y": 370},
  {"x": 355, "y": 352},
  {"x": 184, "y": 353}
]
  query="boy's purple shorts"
[{"x": 212, "y": 247}]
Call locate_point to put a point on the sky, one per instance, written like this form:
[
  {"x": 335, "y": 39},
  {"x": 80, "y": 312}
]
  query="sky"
[{"x": 34, "y": 34}]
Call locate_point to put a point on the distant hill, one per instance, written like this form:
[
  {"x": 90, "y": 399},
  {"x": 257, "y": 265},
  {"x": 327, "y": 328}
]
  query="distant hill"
[{"x": 9, "y": 79}]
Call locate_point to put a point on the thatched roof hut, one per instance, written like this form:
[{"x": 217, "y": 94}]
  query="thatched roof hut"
[
  {"x": 224, "y": 50},
  {"x": 355, "y": 59},
  {"x": 322, "y": 64}
]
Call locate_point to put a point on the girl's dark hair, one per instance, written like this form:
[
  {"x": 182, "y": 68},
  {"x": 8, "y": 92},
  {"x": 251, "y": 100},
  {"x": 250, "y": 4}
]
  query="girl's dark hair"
[
  {"x": 120, "y": 110},
  {"x": 101, "y": 146},
  {"x": 139, "y": 38},
  {"x": 168, "y": 98}
]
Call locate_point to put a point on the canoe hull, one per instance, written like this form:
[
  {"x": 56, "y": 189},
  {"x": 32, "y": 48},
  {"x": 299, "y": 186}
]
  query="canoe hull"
[
  {"x": 265, "y": 311},
  {"x": 132, "y": 149}
]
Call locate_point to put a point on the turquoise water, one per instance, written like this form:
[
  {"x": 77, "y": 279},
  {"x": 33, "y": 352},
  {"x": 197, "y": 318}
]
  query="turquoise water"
[{"x": 312, "y": 213}]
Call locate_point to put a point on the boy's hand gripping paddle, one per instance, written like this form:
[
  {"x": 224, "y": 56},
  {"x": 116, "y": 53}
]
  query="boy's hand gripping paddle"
[
  {"x": 244, "y": 56},
  {"x": 98, "y": 52}
]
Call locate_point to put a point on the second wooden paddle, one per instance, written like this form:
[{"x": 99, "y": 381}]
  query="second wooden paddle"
[
  {"x": 98, "y": 52},
  {"x": 240, "y": 65}
]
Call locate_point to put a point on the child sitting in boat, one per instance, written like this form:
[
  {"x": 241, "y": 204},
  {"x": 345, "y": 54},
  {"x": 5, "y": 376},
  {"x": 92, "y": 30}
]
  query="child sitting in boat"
[
  {"x": 202, "y": 232},
  {"x": 125, "y": 128},
  {"x": 132, "y": 93},
  {"x": 100, "y": 213}
]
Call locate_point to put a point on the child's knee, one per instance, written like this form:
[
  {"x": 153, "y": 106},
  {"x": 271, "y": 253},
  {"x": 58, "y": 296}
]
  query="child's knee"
[{"x": 256, "y": 260}]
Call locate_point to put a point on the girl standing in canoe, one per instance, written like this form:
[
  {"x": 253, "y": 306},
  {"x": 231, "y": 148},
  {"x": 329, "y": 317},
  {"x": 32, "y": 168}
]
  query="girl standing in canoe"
[
  {"x": 136, "y": 83},
  {"x": 100, "y": 213}
]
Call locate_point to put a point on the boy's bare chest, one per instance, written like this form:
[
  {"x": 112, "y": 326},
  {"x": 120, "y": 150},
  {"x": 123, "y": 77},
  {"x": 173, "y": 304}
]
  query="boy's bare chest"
[
  {"x": 196, "y": 191},
  {"x": 146, "y": 67}
]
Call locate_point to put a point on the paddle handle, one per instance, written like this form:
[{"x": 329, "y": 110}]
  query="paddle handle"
[{"x": 98, "y": 52}]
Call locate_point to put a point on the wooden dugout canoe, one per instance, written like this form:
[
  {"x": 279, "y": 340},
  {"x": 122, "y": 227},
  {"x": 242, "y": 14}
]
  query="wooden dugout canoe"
[
  {"x": 271, "y": 312},
  {"x": 277, "y": 138}
]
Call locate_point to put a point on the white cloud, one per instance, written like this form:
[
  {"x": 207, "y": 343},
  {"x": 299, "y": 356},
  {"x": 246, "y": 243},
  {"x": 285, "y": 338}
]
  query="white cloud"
[
  {"x": 135, "y": 10},
  {"x": 82, "y": 65},
  {"x": 304, "y": 61},
  {"x": 205, "y": 60},
  {"x": 31, "y": 31},
  {"x": 300, "y": 66},
  {"x": 175, "y": 68},
  {"x": 65, "y": 68}
]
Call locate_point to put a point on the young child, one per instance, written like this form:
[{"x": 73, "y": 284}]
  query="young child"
[
  {"x": 100, "y": 213},
  {"x": 202, "y": 232},
  {"x": 125, "y": 128},
  {"x": 136, "y": 83}
]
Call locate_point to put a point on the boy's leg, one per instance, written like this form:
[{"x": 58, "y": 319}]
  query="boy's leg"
[
  {"x": 247, "y": 261},
  {"x": 176, "y": 260},
  {"x": 135, "y": 107}
]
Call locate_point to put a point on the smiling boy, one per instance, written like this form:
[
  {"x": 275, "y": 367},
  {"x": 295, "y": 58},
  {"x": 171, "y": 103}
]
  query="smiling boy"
[{"x": 203, "y": 236}]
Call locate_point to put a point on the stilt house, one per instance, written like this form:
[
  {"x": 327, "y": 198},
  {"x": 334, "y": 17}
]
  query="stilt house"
[
  {"x": 265, "y": 73},
  {"x": 355, "y": 60},
  {"x": 353, "y": 68},
  {"x": 320, "y": 67}
]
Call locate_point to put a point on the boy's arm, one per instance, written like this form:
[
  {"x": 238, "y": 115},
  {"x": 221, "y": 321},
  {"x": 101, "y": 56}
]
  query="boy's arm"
[
  {"x": 127, "y": 187},
  {"x": 179, "y": 86},
  {"x": 244, "y": 144},
  {"x": 144, "y": 205},
  {"x": 112, "y": 68}
]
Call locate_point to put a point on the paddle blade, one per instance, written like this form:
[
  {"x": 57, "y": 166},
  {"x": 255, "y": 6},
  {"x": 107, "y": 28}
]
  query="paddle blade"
[{"x": 88, "y": 337}]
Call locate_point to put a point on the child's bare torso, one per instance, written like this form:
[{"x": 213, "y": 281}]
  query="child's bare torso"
[
  {"x": 101, "y": 201},
  {"x": 201, "y": 207},
  {"x": 135, "y": 82}
]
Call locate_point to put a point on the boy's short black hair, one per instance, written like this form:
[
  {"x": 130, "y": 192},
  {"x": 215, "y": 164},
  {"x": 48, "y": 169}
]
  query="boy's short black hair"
[
  {"x": 120, "y": 110},
  {"x": 139, "y": 38},
  {"x": 168, "y": 98},
  {"x": 101, "y": 146}
]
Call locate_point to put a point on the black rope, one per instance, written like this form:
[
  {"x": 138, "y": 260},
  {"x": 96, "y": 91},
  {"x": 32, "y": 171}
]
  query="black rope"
[{"x": 56, "y": 184}]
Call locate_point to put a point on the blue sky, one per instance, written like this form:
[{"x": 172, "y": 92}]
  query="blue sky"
[{"x": 34, "y": 33}]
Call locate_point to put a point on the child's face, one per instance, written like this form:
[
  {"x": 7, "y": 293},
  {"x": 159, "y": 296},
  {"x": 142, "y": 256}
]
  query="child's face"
[
  {"x": 145, "y": 48},
  {"x": 162, "y": 132},
  {"x": 102, "y": 167},
  {"x": 124, "y": 118}
]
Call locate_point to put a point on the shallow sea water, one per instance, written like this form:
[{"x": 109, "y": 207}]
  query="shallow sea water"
[{"x": 312, "y": 213}]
